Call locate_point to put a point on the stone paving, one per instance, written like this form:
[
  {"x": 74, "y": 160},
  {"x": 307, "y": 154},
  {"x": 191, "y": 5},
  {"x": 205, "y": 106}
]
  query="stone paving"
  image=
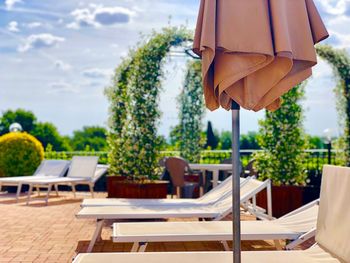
[{"x": 40, "y": 233}]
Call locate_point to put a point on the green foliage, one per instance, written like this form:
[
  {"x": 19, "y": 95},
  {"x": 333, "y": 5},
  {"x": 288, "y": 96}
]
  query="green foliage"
[
  {"x": 134, "y": 113},
  {"x": 191, "y": 102},
  {"x": 283, "y": 142},
  {"x": 93, "y": 136},
  {"x": 212, "y": 138},
  {"x": 340, "y": 62},
  {"x": 315, "y": 142},
  {"x": 248, "y": 141},
  {"x": 20, "y": 154},
  {"x": 47, "y": 133},
  {"x": 175, "y": 137},
  {"x": 27, "y": 120}
]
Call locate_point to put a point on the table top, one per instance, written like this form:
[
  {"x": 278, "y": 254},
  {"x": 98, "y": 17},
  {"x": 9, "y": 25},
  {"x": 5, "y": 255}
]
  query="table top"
[{"x": 204, "y": 166}]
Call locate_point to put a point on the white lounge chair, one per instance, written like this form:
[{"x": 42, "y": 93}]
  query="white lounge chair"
[
  {"x": 208, "y": 198},
  {"x": 297, "y": 226},
  {"x": 216, "y": 211},
  {"x": 332, "y": 235},
  {"x": 47, "y": 169},
  {"x": 81, "y": 171}
]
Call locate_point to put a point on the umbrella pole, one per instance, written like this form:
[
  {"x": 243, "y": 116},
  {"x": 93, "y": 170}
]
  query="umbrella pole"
[{"x": 236, "y": 220}]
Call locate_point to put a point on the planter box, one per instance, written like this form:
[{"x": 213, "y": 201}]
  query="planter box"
[
  {"x": 287, "y": 198},
  {"x": 118, "y": 187}
]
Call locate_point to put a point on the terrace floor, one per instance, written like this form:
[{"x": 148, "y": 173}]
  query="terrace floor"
[{"x": 40, "y": 233}]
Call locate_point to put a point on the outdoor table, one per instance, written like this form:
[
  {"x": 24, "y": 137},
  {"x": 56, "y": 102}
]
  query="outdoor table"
[{"x": 214, "y": 168}]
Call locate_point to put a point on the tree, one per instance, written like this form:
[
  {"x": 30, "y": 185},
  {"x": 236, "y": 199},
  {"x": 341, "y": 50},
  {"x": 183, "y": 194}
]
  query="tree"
[
  {"x": 283, "y": 142},
  {"x": 93, "y": 136},
  {"x": 212, "y": 139},
  {"x": 191, "y": 102},
  {"x": 226, "y": 140},
  {"x": 47, "y": 133},
  {"x": 249, "y": 141},
  {"x": 25, "y": 118}
]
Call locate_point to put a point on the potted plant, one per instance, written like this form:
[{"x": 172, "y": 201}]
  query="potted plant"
[
  {"x": 283, "y": 154},
  {"x": 134, "y": 146}
]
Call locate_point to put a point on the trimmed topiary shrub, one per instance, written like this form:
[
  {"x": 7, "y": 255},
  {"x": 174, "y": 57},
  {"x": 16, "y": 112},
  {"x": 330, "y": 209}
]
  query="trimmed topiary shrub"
[{"x": 20, "y": 154}]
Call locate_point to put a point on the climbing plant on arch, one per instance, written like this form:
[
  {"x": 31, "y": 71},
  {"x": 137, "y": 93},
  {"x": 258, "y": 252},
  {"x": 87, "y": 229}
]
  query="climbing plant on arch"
[
  {"x": 340, "y": 62},
  {"x": 134, "y": 112}
]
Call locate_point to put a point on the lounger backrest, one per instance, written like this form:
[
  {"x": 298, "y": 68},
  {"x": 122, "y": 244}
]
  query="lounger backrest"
[
  {"x": 333, "y": 224},
  {"x": 83, "y": 167},
  {"x": 301, "y": 221},
  {"x": 52, "y": 168},
  {"x": 247, "y": 191},
  {"x": 251, "y": 188},
  {"x": 217, "y": 192},
  {"x": 99, "y": 172}
]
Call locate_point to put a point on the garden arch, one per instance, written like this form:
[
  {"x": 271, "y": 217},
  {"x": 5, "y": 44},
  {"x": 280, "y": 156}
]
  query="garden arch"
[
  {"x": 340, "y": 62},
  {"x": 134, "y": 111}
]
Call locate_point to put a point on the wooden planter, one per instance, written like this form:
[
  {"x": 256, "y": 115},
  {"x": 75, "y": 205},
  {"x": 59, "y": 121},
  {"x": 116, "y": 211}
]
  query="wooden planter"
[
  {"x": 118, "y": 187},
  {"x": 285, "y": 199}
]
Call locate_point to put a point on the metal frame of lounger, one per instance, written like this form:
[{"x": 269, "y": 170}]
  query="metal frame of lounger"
[
  {"x": 150, "y": 212},
  {"x": 71, "y": 180},
  {"x": 223, "y": 233},
  {"x": 38, "y": 174},
  {"x": 206, "y": 199}
]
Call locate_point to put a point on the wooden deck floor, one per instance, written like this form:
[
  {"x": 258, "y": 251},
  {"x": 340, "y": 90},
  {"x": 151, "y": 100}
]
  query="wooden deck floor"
[{"x": 39, "y": 233}]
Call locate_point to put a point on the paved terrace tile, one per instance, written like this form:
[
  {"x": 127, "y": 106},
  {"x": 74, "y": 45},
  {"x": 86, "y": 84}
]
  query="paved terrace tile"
[{"x": 40, "y": 233}]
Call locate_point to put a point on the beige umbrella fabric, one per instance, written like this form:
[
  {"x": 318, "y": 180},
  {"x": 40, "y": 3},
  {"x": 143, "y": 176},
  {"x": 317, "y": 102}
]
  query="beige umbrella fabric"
[{"x": 253, "y": 51}]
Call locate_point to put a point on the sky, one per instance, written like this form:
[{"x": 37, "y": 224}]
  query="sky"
[{"x": 57, "y": 57}]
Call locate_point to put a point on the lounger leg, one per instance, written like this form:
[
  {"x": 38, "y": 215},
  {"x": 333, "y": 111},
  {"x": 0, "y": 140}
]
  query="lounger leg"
[
  {"x": 278, "y": 244},
  {"x": 135, "y": 247},
  {"x": 97, "y": 234},
  {"x": 29, "y": 193},
  {"x": 19, "y": 188},
  {"x": 0, "y": 187},
  {"x": 225, "y": 245},
  {"x": 56, "y": 189},
  {"x": 49, "y": 187},
  {"x": 143, "y": 246},
  {"x": 91, "y": 186},
  {"x": 269, "y": 200},
  {"x": 178, "y": 192},
  {"x": 73, "y": 189},
  {"x": 38, "y": 190}
]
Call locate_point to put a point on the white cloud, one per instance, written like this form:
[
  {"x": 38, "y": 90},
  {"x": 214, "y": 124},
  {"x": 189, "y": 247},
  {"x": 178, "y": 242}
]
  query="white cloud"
[
  {"x": 34, "y": 25},
  {"x": 95, "y": 73},
  {"x": 59, "y": 64},
  {"x": 98, "y": 15},
  {"x": 10, "y": 3},
  {"x": 40, "y": 41},
  {"x": 13, "y": 26},
  {"x": 61, "y": 87}
]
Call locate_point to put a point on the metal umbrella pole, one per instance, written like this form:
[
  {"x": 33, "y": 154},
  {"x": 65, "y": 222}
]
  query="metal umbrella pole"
[{"x": 236, "y": 220}]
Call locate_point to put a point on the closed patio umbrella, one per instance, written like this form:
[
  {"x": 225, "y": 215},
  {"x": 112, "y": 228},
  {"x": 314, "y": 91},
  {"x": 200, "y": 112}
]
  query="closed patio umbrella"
[{"x": 254, "y": 51}]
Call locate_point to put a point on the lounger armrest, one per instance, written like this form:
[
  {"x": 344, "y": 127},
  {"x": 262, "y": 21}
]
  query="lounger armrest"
[{"x": 301, "y": 239}]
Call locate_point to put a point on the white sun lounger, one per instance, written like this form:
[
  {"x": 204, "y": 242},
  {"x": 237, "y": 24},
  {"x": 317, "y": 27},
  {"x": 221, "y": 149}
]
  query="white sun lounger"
[
  {"x": 332, "y": 235},
  {"x": 208, "y": 198},
  {"x": 81, "y": 171},
  {"x": 297, "y": 226},
  {"x": 47, "y": 169},
  {"x": 215, "y": 211}
]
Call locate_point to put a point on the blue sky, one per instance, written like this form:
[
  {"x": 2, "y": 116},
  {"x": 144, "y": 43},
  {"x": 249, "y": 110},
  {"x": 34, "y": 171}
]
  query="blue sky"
[{"x": 57, "y": 57}]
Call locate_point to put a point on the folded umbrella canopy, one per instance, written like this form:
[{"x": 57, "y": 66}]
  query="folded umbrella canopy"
[{"x": 254, "y": 51}]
